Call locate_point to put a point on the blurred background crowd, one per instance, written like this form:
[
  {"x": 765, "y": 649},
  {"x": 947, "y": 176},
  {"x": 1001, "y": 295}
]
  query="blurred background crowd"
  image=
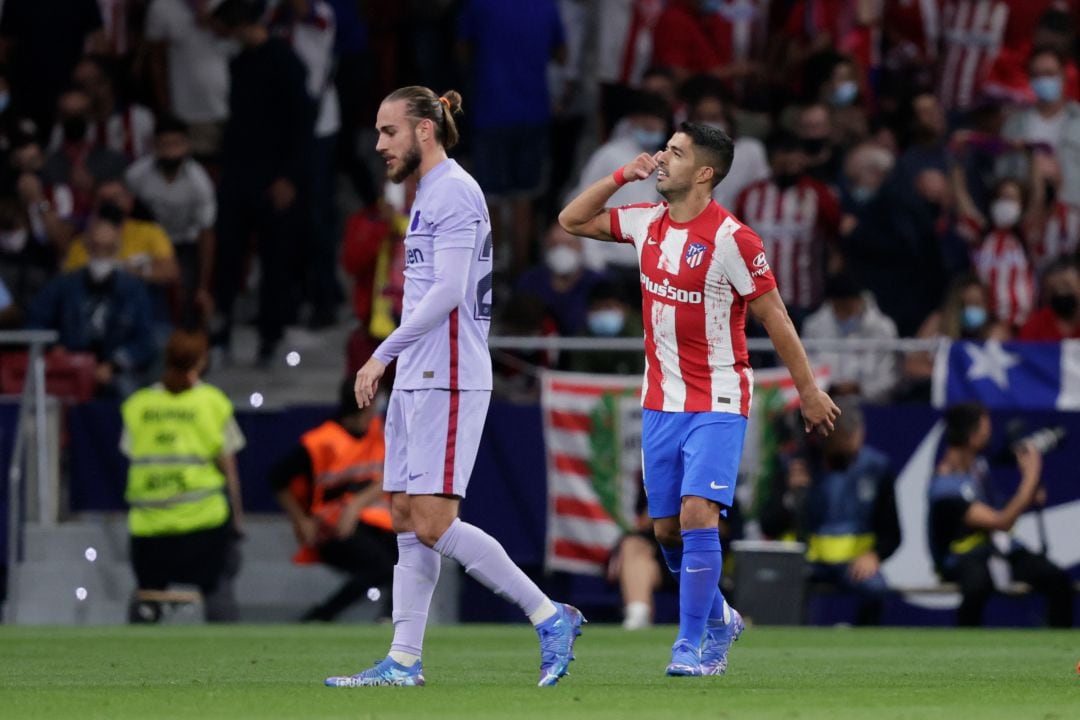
[{"x": 913, "y": 166}]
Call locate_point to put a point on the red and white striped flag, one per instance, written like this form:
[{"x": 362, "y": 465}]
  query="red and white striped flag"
[{"x": 592, "y": 432}]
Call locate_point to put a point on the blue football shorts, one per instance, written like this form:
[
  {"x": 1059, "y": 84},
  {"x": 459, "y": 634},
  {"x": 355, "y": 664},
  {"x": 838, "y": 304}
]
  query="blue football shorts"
[{"x": 690, "y": 453}]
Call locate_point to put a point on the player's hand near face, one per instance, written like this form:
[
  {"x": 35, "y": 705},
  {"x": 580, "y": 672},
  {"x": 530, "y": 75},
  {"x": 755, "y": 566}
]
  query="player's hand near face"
[
  {"x": 367, "y": 381},
  {"x": 819, "y": 411},
  {"x": 641, "y": 167}
]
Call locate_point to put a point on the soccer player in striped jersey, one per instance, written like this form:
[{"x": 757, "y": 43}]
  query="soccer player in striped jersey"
[
  {"x": 701, "y": 271},
  {"x": 441, "y": 392}
]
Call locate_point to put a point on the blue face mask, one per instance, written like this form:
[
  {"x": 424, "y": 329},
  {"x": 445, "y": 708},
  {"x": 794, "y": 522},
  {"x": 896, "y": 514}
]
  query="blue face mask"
[
  {"x": 606, "y": 323},
  {"x": 850, "y": 325},
  {"x": 975, "y": 317},
  {"x": 845, "y": 93},
  {"x": 647, "y": 139},
  {"x": 1048, "y": 88},
  {"x": 861, "y": 194}
]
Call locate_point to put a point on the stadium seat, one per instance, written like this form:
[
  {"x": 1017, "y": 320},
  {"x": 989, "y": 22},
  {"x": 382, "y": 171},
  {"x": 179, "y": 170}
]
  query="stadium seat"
[{"x": 69, "y": 376}]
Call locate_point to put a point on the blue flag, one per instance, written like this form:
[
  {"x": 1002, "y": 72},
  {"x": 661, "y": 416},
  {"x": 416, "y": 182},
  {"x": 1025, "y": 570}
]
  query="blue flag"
[{"x": 1021, "y": 375}]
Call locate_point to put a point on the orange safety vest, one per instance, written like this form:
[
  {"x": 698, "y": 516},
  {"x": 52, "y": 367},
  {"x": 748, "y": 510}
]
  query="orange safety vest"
[{"x": 337, "y": 459}]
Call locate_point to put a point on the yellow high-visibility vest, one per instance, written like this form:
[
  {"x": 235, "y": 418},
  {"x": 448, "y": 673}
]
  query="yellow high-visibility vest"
[{"x": 173, "y": 441}]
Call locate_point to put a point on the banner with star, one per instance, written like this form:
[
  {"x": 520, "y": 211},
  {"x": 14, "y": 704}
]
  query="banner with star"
[{"x": 1019, "y": 375}]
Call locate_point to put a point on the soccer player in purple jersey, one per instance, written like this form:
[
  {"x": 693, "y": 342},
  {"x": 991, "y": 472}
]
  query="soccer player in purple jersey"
[{"x": 441, "y": 393}]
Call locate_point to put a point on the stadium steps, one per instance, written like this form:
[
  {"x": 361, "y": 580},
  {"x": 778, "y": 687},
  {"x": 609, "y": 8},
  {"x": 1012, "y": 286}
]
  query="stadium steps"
[{"x": 270, "y": 588}]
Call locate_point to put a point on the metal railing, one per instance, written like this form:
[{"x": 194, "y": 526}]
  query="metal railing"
[
  {"x": 31, "y": 414},
  {"x": 589, "y": 344}
]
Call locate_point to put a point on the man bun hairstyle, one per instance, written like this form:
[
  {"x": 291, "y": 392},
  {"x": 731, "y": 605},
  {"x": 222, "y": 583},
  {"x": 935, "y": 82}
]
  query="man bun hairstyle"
[
  {"x": 423, "y": 104},
  {"x": 716, "y": 146}
]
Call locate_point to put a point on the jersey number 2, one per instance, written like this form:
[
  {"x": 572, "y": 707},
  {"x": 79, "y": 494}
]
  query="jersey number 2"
[{"x": 483, "y": 286}]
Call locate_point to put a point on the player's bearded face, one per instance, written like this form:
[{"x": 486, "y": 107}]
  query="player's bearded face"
[
  {"x": 674, "y": 177},
  {"x": 407, "y": 164}
]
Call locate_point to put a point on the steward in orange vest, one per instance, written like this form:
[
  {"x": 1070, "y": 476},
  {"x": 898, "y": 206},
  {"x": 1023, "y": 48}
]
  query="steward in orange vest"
[{"x": 330, "y": 485}]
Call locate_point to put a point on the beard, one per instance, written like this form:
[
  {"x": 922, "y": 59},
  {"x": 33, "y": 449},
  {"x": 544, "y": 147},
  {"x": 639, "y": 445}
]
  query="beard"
[
  {"x": 670, "y": 191},
  {"x": 410, "y": 163}
]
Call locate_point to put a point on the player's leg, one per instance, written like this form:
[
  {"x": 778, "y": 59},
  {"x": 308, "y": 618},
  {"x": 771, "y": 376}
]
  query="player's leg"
[
  {"x": 417, "y": 568},
  {"x": 440, "y": 465},
  {"x": 639, "y": 577},
  {"x": 711, "y": 451}
]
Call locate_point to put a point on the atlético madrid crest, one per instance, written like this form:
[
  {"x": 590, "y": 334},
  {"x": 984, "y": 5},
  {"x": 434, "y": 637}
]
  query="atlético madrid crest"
[{"x": 694, "y": 254}]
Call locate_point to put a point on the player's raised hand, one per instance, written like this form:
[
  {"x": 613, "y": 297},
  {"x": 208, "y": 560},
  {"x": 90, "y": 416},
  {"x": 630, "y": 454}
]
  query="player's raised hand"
[
  {"x": 819, "y": 412},
  {"x": 367, "y": 381},
  {"x": 641, "y": 167}
]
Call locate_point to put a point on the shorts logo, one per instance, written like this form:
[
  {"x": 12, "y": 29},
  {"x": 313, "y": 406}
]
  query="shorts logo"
[
  {"x": 695, "y": 253},
  {"x": 415, "y": 221}
]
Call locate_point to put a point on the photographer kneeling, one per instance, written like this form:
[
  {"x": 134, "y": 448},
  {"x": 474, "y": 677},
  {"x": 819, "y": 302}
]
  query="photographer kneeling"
[{"x": 962, "y": 519}]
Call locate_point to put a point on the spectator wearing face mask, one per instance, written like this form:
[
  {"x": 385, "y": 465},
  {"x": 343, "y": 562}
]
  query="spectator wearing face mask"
[
  {"x": 562, "y": 283},
  {"x": 181, "y": 195},
  {"x": 643, "y": 129},
  {"x": 125, "y": 129},
  {"x": 964, "y": 315},
  {"x": 609, "y": 317},
  {"x": 1059, "y": 316},
  {"x": 26, "y": 265},
  {"x": 840, "y": 93},
  {"x": 79, "y": 163},
  {"x": 814, "y": 126},
  {"x": 1052, "y": 123},
  {"x": 798, "y": 220},
  {"x": 102, "y": 310},
  {"x": 1001, "y": 260},
  {"x": 850, "y": 313},
  {"x": 144, "y": 248},
  {"x": 866, "y": 169}
]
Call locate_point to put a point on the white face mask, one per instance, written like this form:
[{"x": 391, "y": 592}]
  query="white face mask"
[
  {"x": 100, "y": 268},
  {"x": 1004, "y": 213},
  {"x": 562, "y": 260},
  {"x": 13, "y": 241}
]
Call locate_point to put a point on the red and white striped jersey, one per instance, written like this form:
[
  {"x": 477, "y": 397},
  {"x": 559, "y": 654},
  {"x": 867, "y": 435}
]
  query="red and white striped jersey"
[
  {"x": 624, "y": 39},
  {"x": 972, "y": 31},
  {"x": 915, "y": 25},
  {"x": 696, "y": 281},
  {"x": 129, "y": 131},
  {"x": 1060, "y": 236},
  {"x": 1004, "y": 269},
  {"x": 796, "y": 224}
]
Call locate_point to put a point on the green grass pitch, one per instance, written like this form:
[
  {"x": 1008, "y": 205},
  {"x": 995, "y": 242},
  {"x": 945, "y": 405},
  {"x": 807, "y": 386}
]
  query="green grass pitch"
[{"x": 489, "y": 672}]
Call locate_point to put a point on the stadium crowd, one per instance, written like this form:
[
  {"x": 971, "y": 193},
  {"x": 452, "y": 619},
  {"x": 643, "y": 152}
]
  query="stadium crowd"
[{"x": 913, "y": 168}]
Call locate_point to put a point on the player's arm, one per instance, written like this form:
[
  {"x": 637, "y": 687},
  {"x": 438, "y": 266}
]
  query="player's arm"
[
  {"x": 981, "y": 516},
  {"x": 818, "y": 409},
  {"x": 586, "y": 215},
  {"x": 444, "y": 296}
]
